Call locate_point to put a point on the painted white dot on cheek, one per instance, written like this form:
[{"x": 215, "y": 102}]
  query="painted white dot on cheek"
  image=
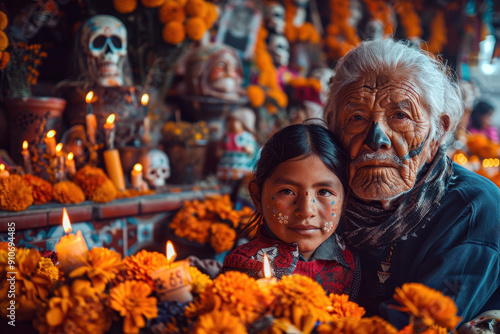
[{"x": 328, "y": 226}]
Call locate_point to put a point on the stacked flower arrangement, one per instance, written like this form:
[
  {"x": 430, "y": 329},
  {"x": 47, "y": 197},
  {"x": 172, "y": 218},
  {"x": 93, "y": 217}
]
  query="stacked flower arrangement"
[
  {"x": 212, "y": 220},
  {"x": 101, "y": 292}
]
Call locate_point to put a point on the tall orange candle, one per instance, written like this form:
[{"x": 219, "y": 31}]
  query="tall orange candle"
[
  {"x": 71, "y": 249},
  {"x": 50, "y": 143},
  {"x": 114, "y": 168},
  {"x": 70, "y": 164}
]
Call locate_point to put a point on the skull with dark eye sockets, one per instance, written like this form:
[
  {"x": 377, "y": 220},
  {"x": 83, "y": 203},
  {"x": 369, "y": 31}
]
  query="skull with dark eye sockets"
[{"x": 156, "y": 168}]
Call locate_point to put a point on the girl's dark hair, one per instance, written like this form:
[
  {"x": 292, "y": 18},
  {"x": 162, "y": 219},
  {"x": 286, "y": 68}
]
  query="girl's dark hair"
[
  {"x": 297, "y": 141},
  {"x": 480, "y": 109}
]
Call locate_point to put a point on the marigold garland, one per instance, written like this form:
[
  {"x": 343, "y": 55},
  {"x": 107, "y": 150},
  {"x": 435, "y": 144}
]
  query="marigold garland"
[
  {"x": 340, "y": 35},
  {"x": 196, "y": 8},
  {"x": 409, "y": 19},
  {"x": 68, "y": 192},
  {"x": 3, "y": 20},
  {"x": 380, "y": 10},
  {"x": 222, "y": 237},
  {"x": 256, "y": 95},
  {"x": 304, "y": 33},
  {"x": 4, "y": 41},
  {"x": 171, "y": 11},
  {"x": 15, "y": 194},
  {"x": 211, "y": 14},
  {"x": 174, "y": 32},
  {"x": 437, "y": 39},
  {"x": 195, "y": 28},
  {"x": 125, "y": 6},
  {"x": 219, "y": 322},
  {"x": 42, "y": 190}
]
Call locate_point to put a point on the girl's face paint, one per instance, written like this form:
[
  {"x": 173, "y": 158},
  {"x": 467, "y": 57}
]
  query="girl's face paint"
[{"x": 302, "y": 207}]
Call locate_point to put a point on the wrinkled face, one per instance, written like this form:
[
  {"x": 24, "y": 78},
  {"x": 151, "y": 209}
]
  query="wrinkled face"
[
  {"x": 275, "y": 18},
  {"x": 302, "y": 207},
  {"x": 280, "y": 50},
  {"x": 382, "y": 121},
  {"x": 104, "y": 39},
  {"x": 225, "y": 75},
  {"x": 156, "y": 168}
]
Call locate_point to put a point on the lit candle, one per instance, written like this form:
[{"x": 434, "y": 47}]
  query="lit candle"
[
  {"x": 173, "y": 282},
  {"x": 114, "y": 168},
  {"x": 59, "y": 165},
  {"x": 144, "y": 102},
  {"x": 109, "y": 129},
  {"x": 3, "y": 171},
  {"x": 146, "y": 137},
  {"x": 136, "y": 178},
  {"x": 266, "y": 283},
  {"x": 26, "y": 158},
  {"x": 90, "y": 120},
  {"x": 50, "y": 143},
  {"x": 70, "y": 164},
  {"x": 71, "y": 249}
]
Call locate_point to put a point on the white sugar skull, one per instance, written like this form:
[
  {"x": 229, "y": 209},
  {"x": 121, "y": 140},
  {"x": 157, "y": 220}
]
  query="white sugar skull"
[
  {"x": 275, "y": 17},
  {"x": 487, "y": 322},
  {"x": 279, "y": 48},
  {"x": 156, "y": 168},
  {"x": 104, "y": 41},
  {"x": 323, "y": 74}
]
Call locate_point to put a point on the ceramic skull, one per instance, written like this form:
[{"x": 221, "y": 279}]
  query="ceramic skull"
[
  {"x": 275, "y": 17},
  {"x": 487, "y": 322},
  {"x": 104, "y": 41},
  {"x": 156, "y": 168},
  {"x": 279, "y": 48}
]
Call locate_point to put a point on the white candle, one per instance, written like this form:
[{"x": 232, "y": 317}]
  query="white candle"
[
  {"x": 26, "y": 158},
  {"x": 50, "y": 143},
  {"x": 3, "y": 171},
  {"x": 109, "y": 129},
  {"x": 71, "y": 249},
  {"x": 70, "y": 165},
  {"x": 59, "y": 165},
  {"x": 136, "y": 177},
  {"x": 266, "y": 283},
  {"x": 146, "y": 136}
]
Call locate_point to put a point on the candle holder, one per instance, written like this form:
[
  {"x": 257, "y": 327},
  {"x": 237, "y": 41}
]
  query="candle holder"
[
  {"x": 173, "y": 282},
  {"x": 71, "y": 249}
]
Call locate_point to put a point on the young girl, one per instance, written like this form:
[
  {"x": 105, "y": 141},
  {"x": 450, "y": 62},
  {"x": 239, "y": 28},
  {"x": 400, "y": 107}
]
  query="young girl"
[{"x": 298, "y": 191}]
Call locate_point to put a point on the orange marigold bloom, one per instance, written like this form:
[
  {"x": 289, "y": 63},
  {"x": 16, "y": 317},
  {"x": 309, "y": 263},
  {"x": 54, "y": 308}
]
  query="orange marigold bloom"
[
  {"x": 199, "y": 281},
  {"x": 373, "y": 325},
  {"x": 125, "y": 6},
  {"x": 141, "y": 265},
  {"x": 195, "y": 28},
  {"x": 89, "y": 179},
  {"x": 342, "y": 307},
  {"x": 222, "y": 237},
  {"x": 132, "y": 300},
  {"x": 42, "y": 190},
  {"x": 171, "y": 11},
  {"x": 152, "y": 3},
  {"x": 256, "y": 95},
  {"x": 4, "y": 41},
  {"x": 291, "y": 32},
  {"x": 211, "y": 14},
  {"x": 68, "y": 192},
  {"x": 196, "y": 8},
  {"x": 174, "y": 32},
  {"x": 219, "y": 322},
  {"x": 15, "y": 194},
  {"x": 314, "y": 83},
  {"x": 429, "y": 305},
  {"x": 279, "y": 96},
  {"x": 4, "y": 59},
  {"x": 3, "y": 20},
  {"x": 105, "y": 193}
]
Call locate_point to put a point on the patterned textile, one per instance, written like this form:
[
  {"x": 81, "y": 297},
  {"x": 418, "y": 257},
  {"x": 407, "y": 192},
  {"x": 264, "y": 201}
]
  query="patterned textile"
[{"x": 369, "y": 225}]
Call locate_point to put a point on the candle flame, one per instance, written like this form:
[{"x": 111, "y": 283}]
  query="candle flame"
[
  {"x": 267, "y": 267},
  {"x": 59, "y": 147},
  {"x": 145, "y": 99},
  {"x": 110, "y": 119},
  {"x": 70, "y": 156},
  {"x": 65, "y": 222},
  {"x": 138, "y": 167},
  {"x": 25, "y": 145},
  {"x": 496, "y": 162},
  {"x": 89, "y": 97},
  {"x": 171, "y": 255},
  {"x": 51, "y": 134},
  {"x": 2, "y": 167}
]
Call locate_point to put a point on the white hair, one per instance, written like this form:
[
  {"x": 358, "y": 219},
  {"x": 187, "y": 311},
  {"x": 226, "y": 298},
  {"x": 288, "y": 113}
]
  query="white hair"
[{"x": 440, "y": 91}]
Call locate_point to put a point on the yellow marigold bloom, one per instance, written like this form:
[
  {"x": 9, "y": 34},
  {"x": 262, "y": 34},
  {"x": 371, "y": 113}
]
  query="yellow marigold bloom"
[
  {"x": 78, "y": 308},
  {"x": 301, "y": 300},
  {"x": 3, "y": 20},
  {"x": 102, "y": 266},
  {"x": 342, "y": 307},
  {"x": 373, "y": 325},
  {"x": 105, "y": 193},
  {"x": 141, "y": 265},
  {"x": 4, "y": 41},
  {"x": 222, "y": 237},
  {"x": 132, "y": 300},
  {"x": 219, "y": 322},
  {"x": 152, "y": 3},
  {"x": 429, "y": 305},
  {"x": 195, "y": 28},
  {"x": 174, "y": 32},
  {"x": 256, "y": 95},
  {"x": 15, "y": 194},
  {"x": 125, "y": 6},
  {"x": 211, "y": 14},
  {"x": 4, "y": 59},
  {"x": 199, "y": 281},
  {"x": 196, "y": 8},
  {"x": 68, "y": 192},
  {"x": 46, "y": 268},
  {"x": 42, "y": 190},
  {"x": 171, "y": 11}
]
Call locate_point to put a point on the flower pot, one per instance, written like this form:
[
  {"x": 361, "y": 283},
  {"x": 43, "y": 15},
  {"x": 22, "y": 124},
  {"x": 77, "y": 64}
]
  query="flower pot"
[
  {"x": 186, "y": 162},
  {"x": 30, "y": 119}
]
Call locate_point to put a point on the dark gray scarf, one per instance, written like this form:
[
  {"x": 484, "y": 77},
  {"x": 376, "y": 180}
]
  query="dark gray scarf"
[{"x": 369, "y": 225}]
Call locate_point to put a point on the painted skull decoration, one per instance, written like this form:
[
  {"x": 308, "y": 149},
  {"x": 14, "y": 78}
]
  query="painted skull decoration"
[
  {"x": 275, "y": 18},
  {"x": 156, "y": 168},
  {"x": 485, "y": 323},
  {"x": 104, "y": 41},
  {"x": 279, "y": 48}
]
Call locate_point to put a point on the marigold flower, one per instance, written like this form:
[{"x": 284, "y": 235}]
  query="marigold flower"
[
  {"x": 152, "y": 3},
  {"x": 199, "y": 281},
  {"x": 195, "y": 28},
  {"x": 132, "y": 300},
  {"x": 89, "y": 179},
  {"x": 174, "y": 32},
  {"x": 42, "y": 190},
  {"x": 211, "y": 14},
  {"x": 342, "y": 307},
  {"x": 3, "y": 20},
  {"x": 4, "y": 59},
  {"x": 256, "y": 95},
  {"x": 427, "y": 304},
  {"x": 219, "y": 322},
  {"x": 125, "y": 6},
  {"x": 373, "y": 325},
  {"x": 171, "y": 11},
  {"x": 279, "y": 96},
  {"x": 68, "y": 192},
  {"x": 141, "y": 265},
  {"x": 196, "y": 8},
  {"x": 222, "y": 237},
  {"x": 105, "y": 193},
  {"x": 290, "y": 32},
  {"x": 15, "y": 194},
  {"x": 4, "y": 41},
  {"x": 102, "y": 266}
]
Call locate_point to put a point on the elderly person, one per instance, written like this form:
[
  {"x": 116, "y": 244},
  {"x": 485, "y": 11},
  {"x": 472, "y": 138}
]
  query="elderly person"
[{"x": 413, "y": 214}]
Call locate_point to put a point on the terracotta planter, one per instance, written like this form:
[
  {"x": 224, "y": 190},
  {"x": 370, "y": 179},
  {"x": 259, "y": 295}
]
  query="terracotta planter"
[
  {"x": 186, "y": 162},
  {"x": 30, "y": 119}
]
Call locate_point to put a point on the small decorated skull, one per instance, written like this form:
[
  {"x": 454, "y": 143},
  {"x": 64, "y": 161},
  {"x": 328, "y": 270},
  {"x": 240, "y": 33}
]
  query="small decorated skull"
[
  {"x": 104, "y": 41},
  {"x": 279, "y": 48},
  {"x": 275, "y": 17},
  {"x": 156, "y": 168},
  {"x": 485, "y": 323}
]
